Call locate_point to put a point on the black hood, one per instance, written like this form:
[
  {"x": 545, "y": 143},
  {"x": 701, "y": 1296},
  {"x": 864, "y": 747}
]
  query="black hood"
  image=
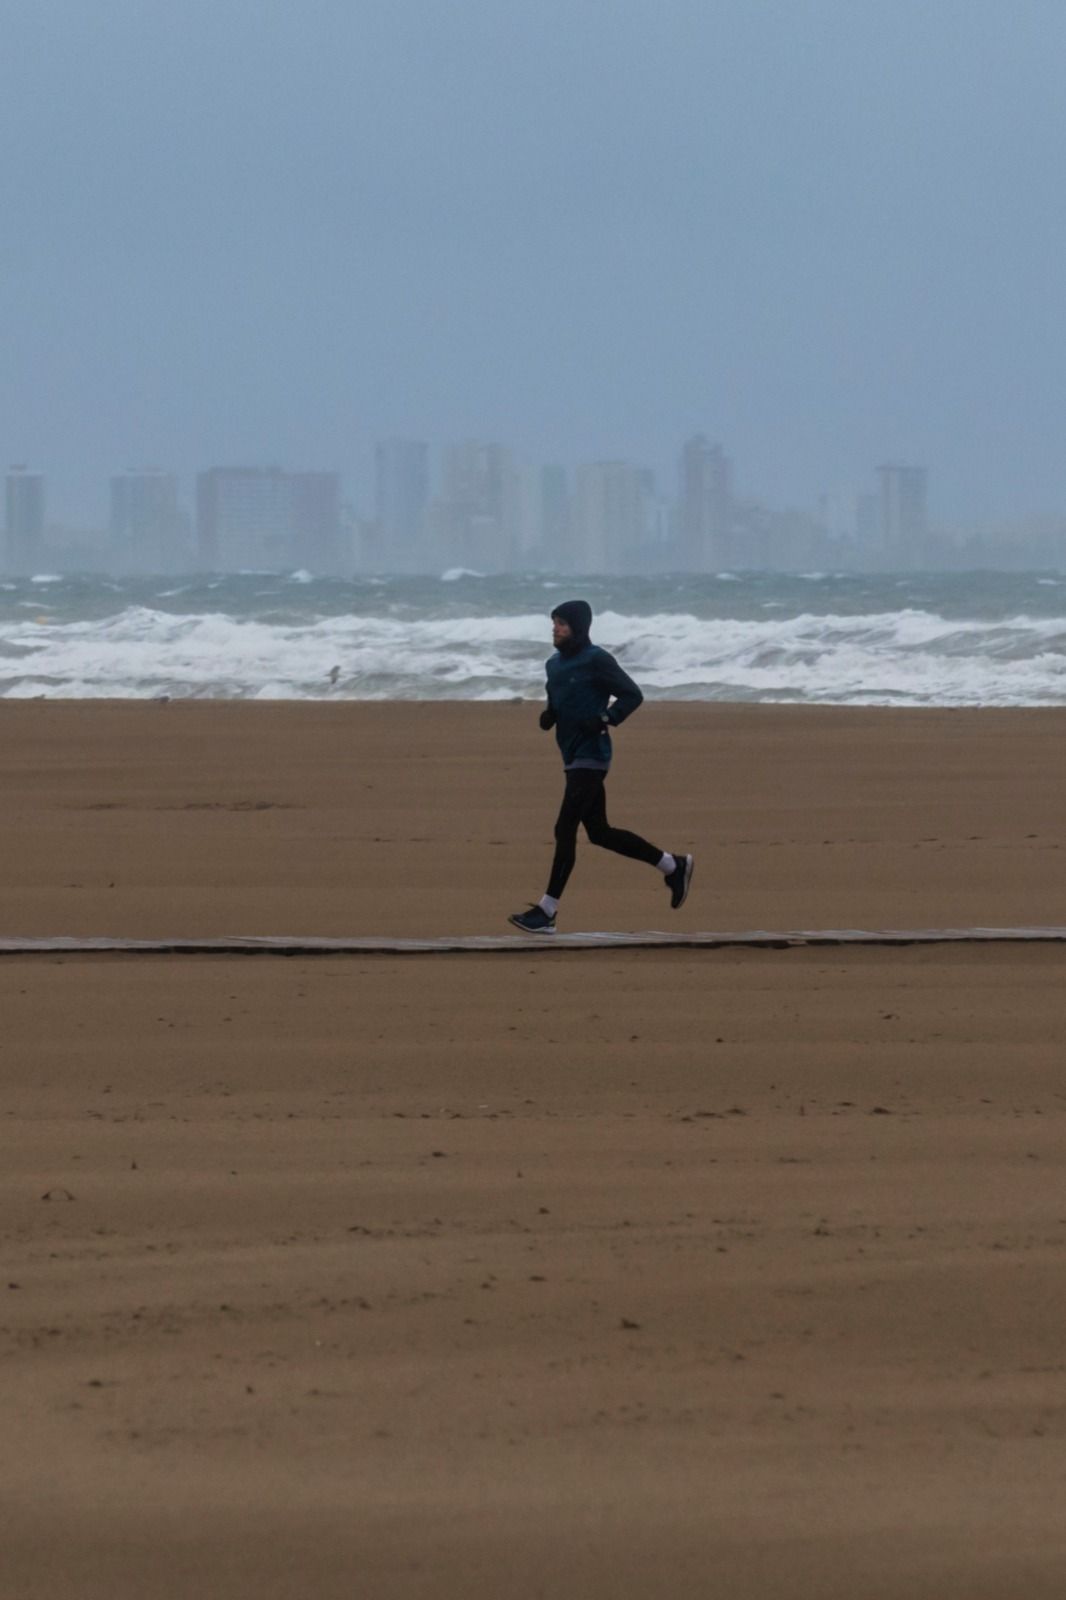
[{"x": 577, "y": 614}]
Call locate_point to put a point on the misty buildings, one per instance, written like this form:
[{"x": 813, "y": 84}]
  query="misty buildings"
[
  {"x": 24, "y": 522},
  {"x": 852, "y": 520},
  {"x": 315, "y": 539},
  {"x": 243, "y": 518},
  {"x": 706, "y": 507},
  {"x": 264, "y": 519},
  {"x": 904, "y": 518},
  {"x": 491, "y": 514},
  {"x": 401, "y": 496},
  {"x": 554, "y": 517},
  {"x": 866, "y": 532},
  {"x": 147, "y": 527},
  {"x": 473, "y": 521},
  {"x": 610, "y": 522},
  {"x": 538, "y": 519}
]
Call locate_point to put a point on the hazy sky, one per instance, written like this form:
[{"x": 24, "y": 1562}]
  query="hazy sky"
[{"x": 826, "y": 232}]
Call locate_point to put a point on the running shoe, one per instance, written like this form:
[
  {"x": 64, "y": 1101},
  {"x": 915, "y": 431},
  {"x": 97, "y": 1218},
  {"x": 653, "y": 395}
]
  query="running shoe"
[
  {"x": 678, "y": 881},
  {"x": 535, "y": 920}
]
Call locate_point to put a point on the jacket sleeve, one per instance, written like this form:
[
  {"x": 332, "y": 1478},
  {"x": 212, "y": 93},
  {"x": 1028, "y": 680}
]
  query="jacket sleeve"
[
  {"x": 627, "y": 696},
  {"x": 548, "y": 717}
]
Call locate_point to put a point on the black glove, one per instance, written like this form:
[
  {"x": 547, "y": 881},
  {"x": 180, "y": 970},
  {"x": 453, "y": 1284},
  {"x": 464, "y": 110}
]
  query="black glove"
[
  {"x": 547, "y": 718},
  {"x": 593, "y": 725}
]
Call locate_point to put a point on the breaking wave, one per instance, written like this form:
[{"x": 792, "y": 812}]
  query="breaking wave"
[{"x": 303, "y": 638}]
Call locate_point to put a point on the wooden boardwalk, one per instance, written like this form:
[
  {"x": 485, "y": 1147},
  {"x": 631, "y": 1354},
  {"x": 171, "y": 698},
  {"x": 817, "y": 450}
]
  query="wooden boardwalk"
[{"x": 518, "y": 944}]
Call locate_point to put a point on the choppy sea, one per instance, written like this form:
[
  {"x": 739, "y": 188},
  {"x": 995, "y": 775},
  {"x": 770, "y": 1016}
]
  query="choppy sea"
[{"x": 968, "y": 639}]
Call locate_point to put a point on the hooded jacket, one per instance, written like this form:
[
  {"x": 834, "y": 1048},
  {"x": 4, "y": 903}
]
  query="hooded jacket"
[{"x": 582, "y": 681}]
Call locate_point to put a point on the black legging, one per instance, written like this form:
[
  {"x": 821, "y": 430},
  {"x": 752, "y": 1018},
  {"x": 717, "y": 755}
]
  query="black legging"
[{"x": 585, "y": 802}]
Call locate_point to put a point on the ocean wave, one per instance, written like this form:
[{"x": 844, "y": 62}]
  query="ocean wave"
[{"x": 891, "y": 657}]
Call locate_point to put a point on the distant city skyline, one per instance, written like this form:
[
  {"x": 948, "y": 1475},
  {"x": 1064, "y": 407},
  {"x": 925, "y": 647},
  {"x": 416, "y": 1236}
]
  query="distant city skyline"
[
  {"x": 482, "y": 508},
  {"x": 823, "y": 232}
]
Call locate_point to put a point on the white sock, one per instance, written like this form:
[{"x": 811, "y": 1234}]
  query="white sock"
[
  {"x": 667, "y": 864},
  {"x": 546, "y": 903}
]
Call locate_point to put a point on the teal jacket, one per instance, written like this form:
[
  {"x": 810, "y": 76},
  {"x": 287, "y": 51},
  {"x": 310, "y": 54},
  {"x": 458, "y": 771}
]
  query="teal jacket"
[{"x": 580, "y": 689}]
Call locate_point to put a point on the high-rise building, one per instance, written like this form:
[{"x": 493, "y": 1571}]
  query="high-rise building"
[
  {"x": 659, "y": 522},
  {"x": 475, "y": 518},
  {"x": 261, "y": 518},
  {"x": 25, "y": 521},
  {"x": 147, "y": 526},
  {"x": 243, "y": 518},
  {"x": 867, "y": 520},
  {"x": 401, "y": 495},
  {"x": 706, "y": 506},
  {"x": 609, "y": 516},
  {"x": 315, "y": 532},
  {"x": 477, "y": 475},
  {"x": 904, "y": 518},
  {"x": 555, "y": 518},
  {"x": 527, "y": 518}
]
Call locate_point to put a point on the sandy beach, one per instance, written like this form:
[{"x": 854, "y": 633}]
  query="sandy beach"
[{"x": 606, "y": 1274}]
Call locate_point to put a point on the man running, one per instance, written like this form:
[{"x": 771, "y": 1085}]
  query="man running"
[{"x": 588, "y": 694}]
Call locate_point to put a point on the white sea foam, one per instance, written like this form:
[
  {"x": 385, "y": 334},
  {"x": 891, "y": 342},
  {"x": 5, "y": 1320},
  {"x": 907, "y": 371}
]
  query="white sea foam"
[{"x": 906, "y": 657}]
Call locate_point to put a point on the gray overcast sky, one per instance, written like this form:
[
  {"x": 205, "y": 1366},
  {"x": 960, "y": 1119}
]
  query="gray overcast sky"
[{"x": 827, "y": 232}]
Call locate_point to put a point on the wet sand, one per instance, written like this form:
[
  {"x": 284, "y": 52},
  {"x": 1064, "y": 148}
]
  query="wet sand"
[{"x": 714, "y": 1273}]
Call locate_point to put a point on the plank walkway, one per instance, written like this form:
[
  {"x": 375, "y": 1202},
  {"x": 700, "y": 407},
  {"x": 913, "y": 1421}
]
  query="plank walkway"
[{"x": 518, "y": 944}]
